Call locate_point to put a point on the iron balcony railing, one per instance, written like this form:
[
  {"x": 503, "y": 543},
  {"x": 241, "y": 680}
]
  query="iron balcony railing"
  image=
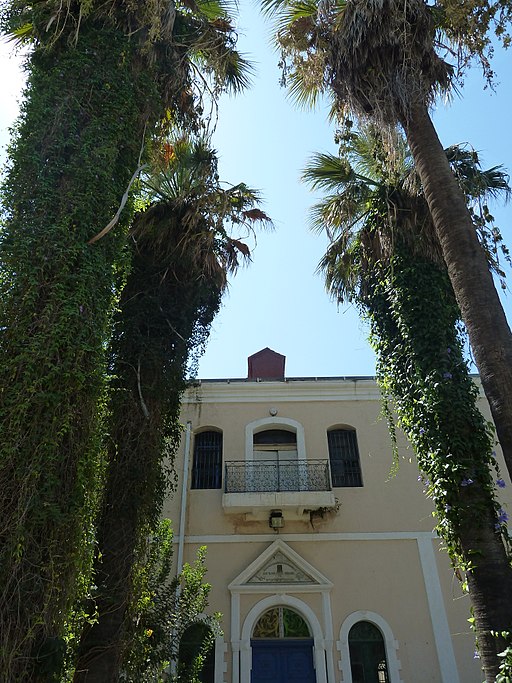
[{"x": 271, "y": 476}]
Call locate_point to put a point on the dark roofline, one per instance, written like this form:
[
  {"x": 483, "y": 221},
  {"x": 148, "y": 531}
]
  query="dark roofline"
[{"x": 244, "y": 380}]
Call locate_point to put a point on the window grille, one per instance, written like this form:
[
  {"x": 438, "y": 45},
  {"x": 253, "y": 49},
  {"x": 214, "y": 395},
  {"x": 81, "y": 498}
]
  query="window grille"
[
  {"x": 207, "y": 467},
  {"x": 344, "y": 457},
  {"x": 275, "y": 437}
]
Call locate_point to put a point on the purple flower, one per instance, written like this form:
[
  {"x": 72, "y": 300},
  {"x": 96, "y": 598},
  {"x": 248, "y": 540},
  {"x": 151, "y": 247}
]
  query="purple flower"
[
  {"x": 494, "y": 454},
  {"x": 420, "y": 478},
  {"x": 502, "y": 516},
  {"x": 448, "y": 350},
  {"x": 476, "y": 655},
  {"x": 447, "y": 375},
  {"x": 466, "y": 482},
  {"x": 422, "y": 431},
  {"x": 500, "y": 483},
  {"x": 447, "y": 507},
  {"x": 502, "y": 519}
]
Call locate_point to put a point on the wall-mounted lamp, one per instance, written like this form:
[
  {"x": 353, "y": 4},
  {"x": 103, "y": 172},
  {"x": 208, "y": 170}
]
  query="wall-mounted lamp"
[
  {"x": 273, "y": 411},
  {"x": 276, "y": 520}
]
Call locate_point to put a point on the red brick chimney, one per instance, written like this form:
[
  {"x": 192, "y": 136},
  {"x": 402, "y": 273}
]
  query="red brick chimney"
[{"x": 266, "y": 364}]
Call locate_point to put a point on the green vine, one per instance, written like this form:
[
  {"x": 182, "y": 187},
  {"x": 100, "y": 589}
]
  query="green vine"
[
  {"x": 103, "y": 78},
  {"x": 69, "y": 165},
  {"x": 384, "y": 257},
  {"x": 421, "y": 368}
]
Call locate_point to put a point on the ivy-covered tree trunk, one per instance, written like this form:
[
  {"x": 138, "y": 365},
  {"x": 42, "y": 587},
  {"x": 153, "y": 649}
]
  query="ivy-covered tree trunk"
[
  {"x": 468, "y": 269},
  {"x": 421, "y": 367},
  {"x": 75, "y": 149},
  {"x": 165, "y": 312}
]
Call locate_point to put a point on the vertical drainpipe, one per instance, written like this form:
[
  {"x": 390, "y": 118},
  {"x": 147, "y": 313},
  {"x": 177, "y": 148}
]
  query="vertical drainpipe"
[{"x": 184, "y": 491}]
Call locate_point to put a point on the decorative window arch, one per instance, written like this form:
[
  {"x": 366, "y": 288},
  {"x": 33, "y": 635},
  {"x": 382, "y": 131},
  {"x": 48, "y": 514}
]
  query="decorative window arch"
[
  {"x": 207, "y": 463},
  {"x": 344, "y": 456},
  {"x": 390, "y": 645},
  {"x": 274, "y": 423}
]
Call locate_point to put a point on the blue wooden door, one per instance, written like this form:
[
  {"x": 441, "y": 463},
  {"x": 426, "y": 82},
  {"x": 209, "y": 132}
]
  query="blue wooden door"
[{"x": 282, "y": 661}]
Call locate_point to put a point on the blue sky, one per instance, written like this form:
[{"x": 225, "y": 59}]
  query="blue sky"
[{"x": 265, "y": 141}]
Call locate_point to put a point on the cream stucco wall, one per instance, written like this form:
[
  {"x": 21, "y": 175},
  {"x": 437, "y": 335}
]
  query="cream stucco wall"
[{"x": 376, "y": 552}]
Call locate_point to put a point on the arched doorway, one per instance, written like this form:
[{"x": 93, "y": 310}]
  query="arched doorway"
[
  {"x": 367, "y": 654},
  {"x": 282, "y": 648},
  {"x": 196, "y": 658}
]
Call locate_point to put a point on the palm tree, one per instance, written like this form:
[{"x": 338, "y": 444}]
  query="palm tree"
[
  {"x": 182, "y": 255},
  {"x": 384, "y": 257},
  {"x": 101, "y": 78},
  {"x": 378, "y": 62}
]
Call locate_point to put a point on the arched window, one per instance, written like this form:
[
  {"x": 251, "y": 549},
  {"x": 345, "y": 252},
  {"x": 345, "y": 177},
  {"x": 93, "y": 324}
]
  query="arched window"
[
  {"x": 196, "y": 657},
  {"x": 207, "y": 467},
  {"x": 281, "y": 622},
  {"x": 344, "y": 457},
  {"x": 367, "y": 654}
]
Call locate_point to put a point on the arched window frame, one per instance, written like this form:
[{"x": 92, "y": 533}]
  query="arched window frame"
[
  {"x": 202, "y": 478},
  {"x": 356, "y": 478},
  {"x": 274, "y": 423}
]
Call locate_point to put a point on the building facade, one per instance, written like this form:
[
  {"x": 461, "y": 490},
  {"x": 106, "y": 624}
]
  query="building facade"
[{"x": 322, "y": 560}]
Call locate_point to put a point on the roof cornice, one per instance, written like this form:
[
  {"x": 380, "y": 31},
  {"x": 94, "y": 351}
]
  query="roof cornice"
[{"x": 293, "y": 389}]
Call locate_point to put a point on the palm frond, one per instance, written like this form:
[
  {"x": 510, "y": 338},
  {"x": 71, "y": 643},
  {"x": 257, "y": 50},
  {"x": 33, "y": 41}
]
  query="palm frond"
[
  {"x": 186, "y": 211},
  {"x": 217, "y": 9},
  {"x": 328, "y": 172},
  {"x": 340, "y": 267},
  {"x": 338, "y": 213},
  {"x": 22, "y": 34},
  {"x": 475, "y": 182},
  {"x": 272, "y": 7},
  {"x": 236, "y": 71},
  {"x": 296, "y": 11},
  {"x": 304, "y": 91}
]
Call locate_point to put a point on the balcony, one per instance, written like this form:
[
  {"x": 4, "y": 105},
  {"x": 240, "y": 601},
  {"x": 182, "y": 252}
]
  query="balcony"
[{"x": 293, "y": 486}]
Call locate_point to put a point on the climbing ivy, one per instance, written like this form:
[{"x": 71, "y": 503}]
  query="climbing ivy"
[
  {"x": 421, "y": 369},
  {"x": 384, "y": 257},
  {"x": 103, "y": 79},
  {"x": 75, "y": 147}
]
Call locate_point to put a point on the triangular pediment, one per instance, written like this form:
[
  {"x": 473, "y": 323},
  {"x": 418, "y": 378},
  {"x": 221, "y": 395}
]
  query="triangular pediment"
[{"x": 278, "y": 566}]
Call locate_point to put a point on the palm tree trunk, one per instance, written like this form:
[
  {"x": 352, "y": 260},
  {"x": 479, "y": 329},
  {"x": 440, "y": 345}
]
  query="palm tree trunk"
[
  {"x": 131, "y": 474},
  {"x": 165, "y": 311},
  {"x": 71, "y": 160},
  {"x": 139, "y": 410},
  {"x": 468, "y": 269},
  {"x": 489, "y": 582}
]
